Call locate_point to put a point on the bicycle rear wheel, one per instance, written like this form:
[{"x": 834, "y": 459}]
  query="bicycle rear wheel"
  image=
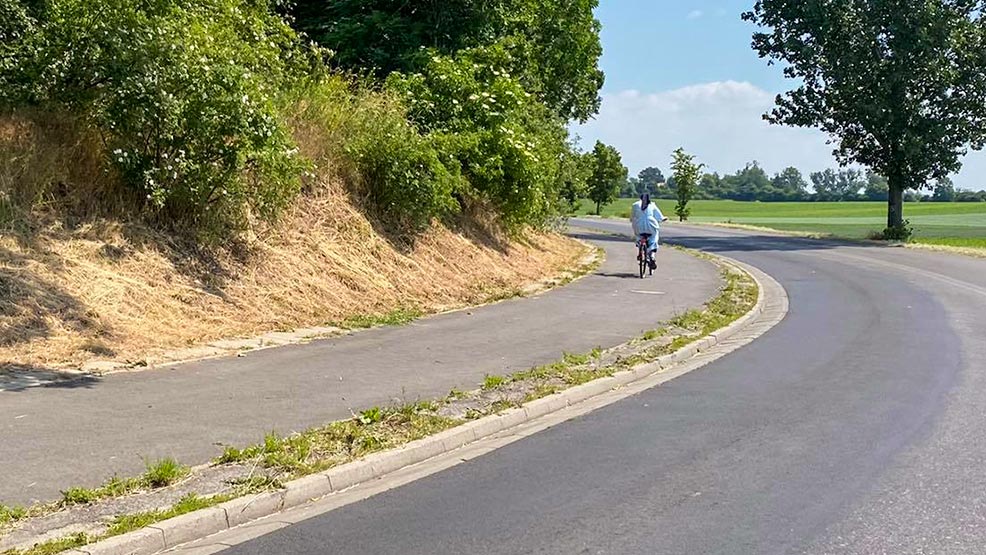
[{"x": 644, "y": 265}]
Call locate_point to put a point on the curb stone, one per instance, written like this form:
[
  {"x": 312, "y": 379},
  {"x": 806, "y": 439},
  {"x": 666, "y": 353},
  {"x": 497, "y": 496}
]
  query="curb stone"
[
  {"x": 199, "y": 524},
  {"x": 245, "y": 509},
  {"x": 191, "y": 526},
  {"x": 139, "y": 542}
]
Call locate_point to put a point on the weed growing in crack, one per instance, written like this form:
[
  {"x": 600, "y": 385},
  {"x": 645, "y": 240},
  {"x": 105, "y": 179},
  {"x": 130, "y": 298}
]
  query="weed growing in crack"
[
  {"x": 164, "y": 473},
  {"x": 491, "y": 383}
]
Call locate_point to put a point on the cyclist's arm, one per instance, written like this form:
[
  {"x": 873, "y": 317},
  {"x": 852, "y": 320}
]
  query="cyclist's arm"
[{"x": 660, "y": 215}]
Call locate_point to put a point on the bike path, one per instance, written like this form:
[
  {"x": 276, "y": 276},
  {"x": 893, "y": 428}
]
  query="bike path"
[{"x": 52, "y": 438}]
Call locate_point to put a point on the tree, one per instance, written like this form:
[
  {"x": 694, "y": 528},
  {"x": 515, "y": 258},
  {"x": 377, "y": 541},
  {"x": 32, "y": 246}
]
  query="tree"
[
  {"x": 831, "y": 185},
  {"x": 650, "y": 180},
  {"x": 631, "y": 188},
  {"x": 686, "y": 176},
  {"x": 944, "y": 191},
  {"x": 900, "y": 84},
  {"x": 608, "y": 172},
  {"x": 876, "y": 187},
  {"x": 554, "y": 44},
  {"x": 789, "y": 185},
  {"x": 747, "y": 184}
]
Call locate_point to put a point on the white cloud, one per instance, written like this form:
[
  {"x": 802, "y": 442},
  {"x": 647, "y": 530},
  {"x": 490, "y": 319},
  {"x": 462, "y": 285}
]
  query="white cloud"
[
  {"x": 721, "y": 123},
  {"x": 695, "y": 14}
]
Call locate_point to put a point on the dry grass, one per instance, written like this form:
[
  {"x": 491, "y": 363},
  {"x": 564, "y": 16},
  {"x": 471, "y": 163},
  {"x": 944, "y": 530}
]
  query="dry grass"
[
  {"x": 112, "y": 291},
  {"x": 80, "y": 281}
]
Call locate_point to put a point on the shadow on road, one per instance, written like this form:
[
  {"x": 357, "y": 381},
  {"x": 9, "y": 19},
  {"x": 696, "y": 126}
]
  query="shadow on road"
[
  {"x": 619, "y": 275},
  {"x": 751, "y": 243},
  {"x": 14, "y": 379}
]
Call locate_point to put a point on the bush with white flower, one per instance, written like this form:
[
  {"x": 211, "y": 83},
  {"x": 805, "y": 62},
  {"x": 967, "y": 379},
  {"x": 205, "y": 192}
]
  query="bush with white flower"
[{"x": 185, "y": 94}]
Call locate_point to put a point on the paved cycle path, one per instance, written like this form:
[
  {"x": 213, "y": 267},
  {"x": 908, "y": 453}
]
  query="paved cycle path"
[{"x": 52, "y": 438}]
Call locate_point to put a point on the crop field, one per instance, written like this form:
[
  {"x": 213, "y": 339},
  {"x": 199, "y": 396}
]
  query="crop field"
[{"x": 954, "y": 224}]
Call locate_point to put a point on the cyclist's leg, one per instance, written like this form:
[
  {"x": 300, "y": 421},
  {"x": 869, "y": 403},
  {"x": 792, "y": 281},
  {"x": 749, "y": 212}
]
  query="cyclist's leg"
[{"x": 652, "y": 245}]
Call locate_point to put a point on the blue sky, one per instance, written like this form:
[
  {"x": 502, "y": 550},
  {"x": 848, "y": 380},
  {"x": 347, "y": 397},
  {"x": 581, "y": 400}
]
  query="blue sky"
[{"x": 683, "y": 74}]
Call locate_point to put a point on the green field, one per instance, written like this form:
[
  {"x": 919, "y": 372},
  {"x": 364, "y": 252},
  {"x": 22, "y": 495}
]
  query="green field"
[{"x": 955, "y": 224}]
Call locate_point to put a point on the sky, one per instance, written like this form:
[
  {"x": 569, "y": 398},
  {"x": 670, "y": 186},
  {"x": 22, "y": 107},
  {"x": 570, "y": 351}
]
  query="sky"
[{"x": 682, "y": 74}]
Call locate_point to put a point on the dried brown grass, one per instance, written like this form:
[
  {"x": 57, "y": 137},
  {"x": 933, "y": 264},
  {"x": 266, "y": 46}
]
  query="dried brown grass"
[{"x": 111, "y": 291}]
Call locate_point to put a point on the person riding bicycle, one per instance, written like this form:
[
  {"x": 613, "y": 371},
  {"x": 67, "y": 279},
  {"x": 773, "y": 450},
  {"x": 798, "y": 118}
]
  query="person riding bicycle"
[{"x": 646, "y": 218}]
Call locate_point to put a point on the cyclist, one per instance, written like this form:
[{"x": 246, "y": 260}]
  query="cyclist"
[{"x": 646, "y": 218}]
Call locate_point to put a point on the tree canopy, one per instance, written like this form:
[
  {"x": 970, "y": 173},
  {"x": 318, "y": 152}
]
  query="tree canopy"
[
  {"x": 554, "y": 45},
  {"x": 608, "y": 172},
  {"x": 900, "y": 84}
]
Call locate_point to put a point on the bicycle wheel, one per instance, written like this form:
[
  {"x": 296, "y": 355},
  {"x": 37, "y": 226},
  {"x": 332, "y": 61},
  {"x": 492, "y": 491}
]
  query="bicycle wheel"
[{"x": 642, "y": 257}]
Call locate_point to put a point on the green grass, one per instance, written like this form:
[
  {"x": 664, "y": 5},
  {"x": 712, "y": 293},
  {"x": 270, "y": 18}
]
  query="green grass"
[
  {"x": 51, "y": 547},
  {"x": 191, "y": 502},
  {"x": 954, "y": 224},
  {"x": 157, "y": 475},
  {"x": 11, "y": 514},
  {"x": 396, "y": 317}
]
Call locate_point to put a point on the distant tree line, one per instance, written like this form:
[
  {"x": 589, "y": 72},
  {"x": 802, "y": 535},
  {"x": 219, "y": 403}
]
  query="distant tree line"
[{"x": 752, "y": 183}]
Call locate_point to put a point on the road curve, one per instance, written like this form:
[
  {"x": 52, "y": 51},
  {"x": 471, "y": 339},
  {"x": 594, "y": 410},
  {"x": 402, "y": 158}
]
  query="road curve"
[
  {"x": 855, "y": 426},
  {"x": 81, "y": 434}
]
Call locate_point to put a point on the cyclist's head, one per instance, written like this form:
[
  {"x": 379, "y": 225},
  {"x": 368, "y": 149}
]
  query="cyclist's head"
[{"x": 645, "y": 200}]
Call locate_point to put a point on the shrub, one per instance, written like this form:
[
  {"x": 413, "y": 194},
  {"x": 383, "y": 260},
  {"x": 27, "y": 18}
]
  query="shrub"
[
  {"x": 184, "y": 93},
  {"x": 901, "y": 233},
  {"x": 508, "y": 145},
  {"x": 391, "y": 167}
]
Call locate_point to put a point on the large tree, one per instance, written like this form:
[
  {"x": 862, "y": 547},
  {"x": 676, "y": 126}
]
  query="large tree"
[
  {"x": 608, "y": 174},
  {"x": 789, "y": 185},
  {"x": 832, "y": 185},
  {"x": 899, "y": 84},
  {"x": 554, "y": 44}
]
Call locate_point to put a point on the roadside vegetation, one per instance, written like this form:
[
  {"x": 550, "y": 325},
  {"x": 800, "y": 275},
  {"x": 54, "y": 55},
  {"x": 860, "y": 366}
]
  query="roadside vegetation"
[
  {"x": 232, "y": 166},
  {"x": 278, "y": 458}
]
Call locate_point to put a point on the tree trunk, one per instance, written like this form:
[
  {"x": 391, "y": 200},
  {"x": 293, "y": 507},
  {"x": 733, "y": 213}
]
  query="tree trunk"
[
  {"x": 599, "y": 208},
  {"x": 895, "y": 203}
]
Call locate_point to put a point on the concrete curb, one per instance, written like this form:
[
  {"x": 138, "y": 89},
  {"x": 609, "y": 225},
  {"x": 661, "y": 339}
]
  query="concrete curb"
[{"x": 199, "y": 524}]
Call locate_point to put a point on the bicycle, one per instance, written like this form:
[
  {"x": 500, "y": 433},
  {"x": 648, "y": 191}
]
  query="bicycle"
[{"x": 643, "y": 256}]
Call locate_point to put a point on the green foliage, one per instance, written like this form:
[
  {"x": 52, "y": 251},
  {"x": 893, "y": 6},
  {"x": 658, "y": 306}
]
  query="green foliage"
[
  {"x": 164, "y": 473},
  {"x": 902, "y": 87},
  {"x": 902, "y": 232},
  {"x": 393, "y": 169},
  {"x": 651, "y": 181},
  {"x": 686, "y": 175},
  {"x": 388, "y": 35},
  {"x": 80, "y": 496},
  {"x": 944, "y": 191},
  {"x": 10, "y": 514},
  {"x": 491, "y": 382},
  {"x": 16, "y": 25},
  {"x": 555, "y": 44},
  {"x": 51, "y": 547},
  {"x": 185, "y": 95},
  {"x": 608, "y": 172},
  {"x": 396, "y": 317},
  {"x": 187, "y": 504},
  {"x": 370, "y": 416},
  {"x": 507, "y": 147},
  {"x": 831, "y": 185}
]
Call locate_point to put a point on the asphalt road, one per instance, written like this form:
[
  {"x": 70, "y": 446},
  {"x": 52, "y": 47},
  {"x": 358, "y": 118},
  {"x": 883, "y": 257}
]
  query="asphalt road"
[
  {"x": 53, "y": 438},
  {"x": 855, "y": 426}
]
